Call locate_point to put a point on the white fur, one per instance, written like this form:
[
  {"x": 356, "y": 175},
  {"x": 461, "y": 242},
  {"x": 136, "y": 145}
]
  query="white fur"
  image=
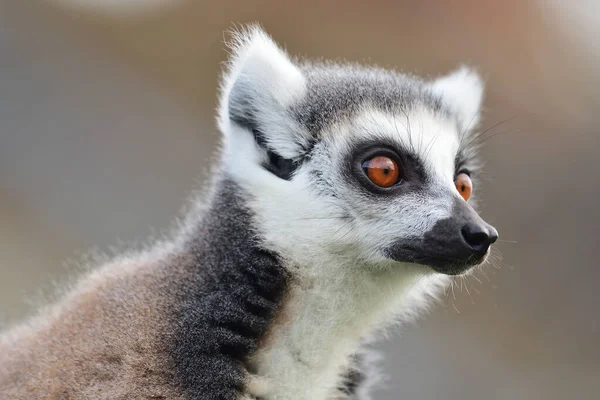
[{"x": 462, "y": 91}]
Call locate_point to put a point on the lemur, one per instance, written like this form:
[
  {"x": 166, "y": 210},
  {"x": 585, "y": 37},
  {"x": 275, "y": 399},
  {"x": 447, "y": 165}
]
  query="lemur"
[{"x": 340, "y": 205}]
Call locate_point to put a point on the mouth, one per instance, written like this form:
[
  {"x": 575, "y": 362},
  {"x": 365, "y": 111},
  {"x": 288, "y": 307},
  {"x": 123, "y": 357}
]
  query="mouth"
[
  {"x": 447, "y": 262},
  {"x": 455, "y": 267}
]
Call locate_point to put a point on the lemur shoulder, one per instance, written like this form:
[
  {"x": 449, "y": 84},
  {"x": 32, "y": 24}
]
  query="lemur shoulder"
[{"x": 339, "y": 207}]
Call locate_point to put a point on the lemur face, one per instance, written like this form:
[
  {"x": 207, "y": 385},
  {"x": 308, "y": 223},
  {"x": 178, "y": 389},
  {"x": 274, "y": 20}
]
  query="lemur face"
[
  {"x": 363, "y": 164},
  {"x": 400, "y": 178}
]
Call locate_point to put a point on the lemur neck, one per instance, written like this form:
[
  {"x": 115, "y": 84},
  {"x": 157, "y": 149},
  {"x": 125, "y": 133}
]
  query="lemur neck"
[{"x": 322, "y": 323}]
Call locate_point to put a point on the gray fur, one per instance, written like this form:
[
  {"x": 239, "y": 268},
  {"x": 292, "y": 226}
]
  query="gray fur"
[{"x": 337, "y": 91}]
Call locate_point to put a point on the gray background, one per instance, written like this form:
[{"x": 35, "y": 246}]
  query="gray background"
[{"x": 106, "y": 125}]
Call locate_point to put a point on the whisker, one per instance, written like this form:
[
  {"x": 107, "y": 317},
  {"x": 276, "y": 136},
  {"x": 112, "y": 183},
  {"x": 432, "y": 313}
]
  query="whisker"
[
  {"x": 393, "y": 117},
  {"x": 476, "y": 278},
  {"x": 340, "y": 228},
  {"x": 345, "y": 234},
  {"x": 421, "y": 133},
  {"x": 421, "y": 277},
  {"x": 446, "y": 294},
  {"x": 412, "y": 146},
  {"x": 498, "y": 124},
  {"x": 454, "y": 305},
  {"x": 431, "y": 143},
  {"x": 488, "y": 137},
  {"x": 464, "y": 132},
  {"x": 485, "y": 275},
  {"x": 481, "y": 134},
  {"x": 467, "y": 290}
]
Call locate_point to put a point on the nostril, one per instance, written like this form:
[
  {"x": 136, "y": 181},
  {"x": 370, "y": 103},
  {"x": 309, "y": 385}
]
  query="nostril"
[{"x": 478, "y": 237}]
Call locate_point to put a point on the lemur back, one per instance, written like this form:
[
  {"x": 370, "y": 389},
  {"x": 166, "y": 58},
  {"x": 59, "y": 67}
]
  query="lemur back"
[{"x": 340, "y": 206}]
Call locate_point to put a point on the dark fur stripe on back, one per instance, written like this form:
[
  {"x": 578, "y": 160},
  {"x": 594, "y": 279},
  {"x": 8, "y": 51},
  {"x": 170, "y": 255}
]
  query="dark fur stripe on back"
[{"x": 227, "y": 302}]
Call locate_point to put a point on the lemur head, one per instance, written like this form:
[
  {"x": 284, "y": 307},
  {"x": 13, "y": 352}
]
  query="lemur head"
[{"x": 347, "y": 163}]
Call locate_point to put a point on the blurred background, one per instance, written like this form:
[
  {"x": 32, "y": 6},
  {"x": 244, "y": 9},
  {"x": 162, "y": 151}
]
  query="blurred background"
[{"x": 107, "y": 124}]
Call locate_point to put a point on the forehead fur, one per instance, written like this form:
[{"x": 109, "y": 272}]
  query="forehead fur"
[{"x": 340, "y": 91}]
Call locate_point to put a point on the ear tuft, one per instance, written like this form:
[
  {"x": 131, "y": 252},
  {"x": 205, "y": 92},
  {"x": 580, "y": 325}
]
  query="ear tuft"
[
  {"x": 259, "y": 84},
  {"x": 462, "y": 92}
]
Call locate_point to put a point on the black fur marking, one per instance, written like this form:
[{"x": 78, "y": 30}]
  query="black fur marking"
[
  {"x": 226, "y": 301},
  {"x": 351, "y": 381},
  {"x": 358, "y": 379},
  {"x": 283, "y": 168}
]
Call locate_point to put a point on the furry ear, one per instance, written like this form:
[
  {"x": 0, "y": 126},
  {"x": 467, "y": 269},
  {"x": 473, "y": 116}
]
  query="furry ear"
[
  {"x": 261, "y": 82},
  {"x": 462, "y": 92}
]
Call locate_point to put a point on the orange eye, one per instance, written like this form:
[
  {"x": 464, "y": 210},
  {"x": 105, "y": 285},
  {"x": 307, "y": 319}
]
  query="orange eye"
[
  {"x": 382, "y": 171},
  {"x": 464, "y": 185}
]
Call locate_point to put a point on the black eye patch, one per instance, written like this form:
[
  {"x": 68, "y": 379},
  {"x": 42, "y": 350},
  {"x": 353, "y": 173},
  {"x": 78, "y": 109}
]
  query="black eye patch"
[{"x": 413, "y": 171}]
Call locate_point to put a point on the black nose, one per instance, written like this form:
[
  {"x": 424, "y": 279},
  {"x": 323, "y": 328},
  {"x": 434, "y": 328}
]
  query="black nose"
[{"x": 479, "y": 237}]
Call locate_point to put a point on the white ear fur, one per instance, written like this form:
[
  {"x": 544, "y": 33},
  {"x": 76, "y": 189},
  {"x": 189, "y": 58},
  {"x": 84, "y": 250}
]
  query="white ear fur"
[
  {"x": 462, "y": 92},
  {"x": 260, "y": 82}
]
